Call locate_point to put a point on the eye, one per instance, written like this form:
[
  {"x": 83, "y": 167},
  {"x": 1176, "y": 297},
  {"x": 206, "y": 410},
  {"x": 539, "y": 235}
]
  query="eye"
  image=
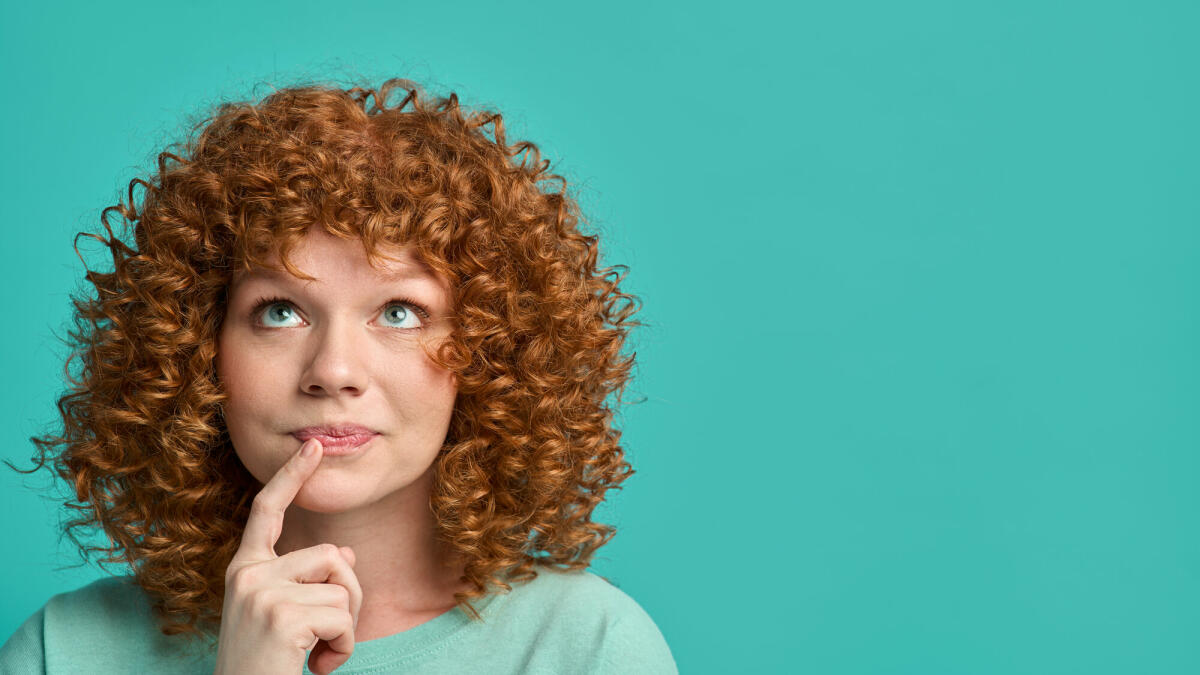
[
  {"x": 279, "y": 309},
  {"x": 398, "y": 313},
  {"x": 404, "y": 313}
]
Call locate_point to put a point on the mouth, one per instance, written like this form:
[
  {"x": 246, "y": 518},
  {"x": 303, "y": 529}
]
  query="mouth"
[{"x": 337, "y": 439}]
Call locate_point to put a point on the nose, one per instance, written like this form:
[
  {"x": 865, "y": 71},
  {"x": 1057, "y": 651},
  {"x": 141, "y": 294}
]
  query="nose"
[{"x": 337, "y": 365}]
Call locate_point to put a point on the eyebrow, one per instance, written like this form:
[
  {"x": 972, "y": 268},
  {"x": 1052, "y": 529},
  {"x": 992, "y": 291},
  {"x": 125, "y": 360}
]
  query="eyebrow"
[{"x": 405, "y": 272}]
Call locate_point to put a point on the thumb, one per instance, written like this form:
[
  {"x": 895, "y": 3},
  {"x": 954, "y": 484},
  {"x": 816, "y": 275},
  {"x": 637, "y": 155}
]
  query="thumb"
[{"x": 348, "y": 554}]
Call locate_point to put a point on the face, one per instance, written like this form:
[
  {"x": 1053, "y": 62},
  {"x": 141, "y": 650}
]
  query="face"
[{"x": 343, "y": 349}]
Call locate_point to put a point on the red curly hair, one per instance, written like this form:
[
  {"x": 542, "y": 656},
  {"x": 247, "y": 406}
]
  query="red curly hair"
[{"x": 536, "y": 345}]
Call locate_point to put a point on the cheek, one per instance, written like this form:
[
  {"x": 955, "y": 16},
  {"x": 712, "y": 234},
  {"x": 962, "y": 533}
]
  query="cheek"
[
  {"x": 230, "y": 367},
  {"x": 427, "y": 391},
  {"x": 442, "y": 391},
  {"x": 247, "y": 409},
  {"x": 243, "y": 377}
]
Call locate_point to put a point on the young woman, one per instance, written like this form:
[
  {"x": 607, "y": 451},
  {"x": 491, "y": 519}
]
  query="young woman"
[{"x": 344, "y": 403}]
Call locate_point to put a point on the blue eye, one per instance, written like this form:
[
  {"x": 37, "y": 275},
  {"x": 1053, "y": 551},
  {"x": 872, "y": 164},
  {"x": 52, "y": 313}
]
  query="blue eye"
[
  {"x": 396, "y": 313},
  {"x": 401, "y": 311},
  {"x": 280, "y": 309}
]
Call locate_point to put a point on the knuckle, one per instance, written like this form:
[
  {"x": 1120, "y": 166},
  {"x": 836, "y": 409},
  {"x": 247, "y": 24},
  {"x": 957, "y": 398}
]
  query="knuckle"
[
  {"x": 343, "y": 595},
  {"x": 238, "y": 578},
  {"x": 279, "y": 615},
  {"x": 330, "y": 553},
  {"x": 250, "y": 574},
  {"x": 301, "y": 641},
  {"x": 260, "y": 506},
  {"x": 258, "y": 604}
]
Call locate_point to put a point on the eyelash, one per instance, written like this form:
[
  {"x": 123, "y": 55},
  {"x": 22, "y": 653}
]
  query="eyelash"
[{"x": 263, "y": 303}]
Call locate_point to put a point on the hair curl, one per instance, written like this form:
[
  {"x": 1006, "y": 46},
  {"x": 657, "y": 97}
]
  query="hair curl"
[{"x": 536, "y": 344}]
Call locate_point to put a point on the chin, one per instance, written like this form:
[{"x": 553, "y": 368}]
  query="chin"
[
  {"x": 328, "y": 497},
  {"x": 338, "y": 492},
  {"x": 318, "y": 500}
]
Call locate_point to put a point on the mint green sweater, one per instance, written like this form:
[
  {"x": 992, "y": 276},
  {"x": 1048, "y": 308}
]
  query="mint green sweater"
[{"x": 560, "y": 622}]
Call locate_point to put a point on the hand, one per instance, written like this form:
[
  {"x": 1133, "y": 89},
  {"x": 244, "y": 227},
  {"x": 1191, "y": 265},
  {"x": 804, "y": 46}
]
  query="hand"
[{"x": 278, "y": 607}]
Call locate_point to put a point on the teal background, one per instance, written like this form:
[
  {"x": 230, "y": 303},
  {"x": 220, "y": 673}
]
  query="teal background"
[{"x": 920, "y": 373}]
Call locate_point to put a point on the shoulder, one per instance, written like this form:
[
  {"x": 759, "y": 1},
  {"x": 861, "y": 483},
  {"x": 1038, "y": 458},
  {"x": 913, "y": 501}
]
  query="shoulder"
[
  {"x": 105, "y": 609},
  {"x": 104, "y": 626},
  {"x": 572, "y": 590},
  {"x": 108, "y": 597},
  {"x": 587, "y": 609}
]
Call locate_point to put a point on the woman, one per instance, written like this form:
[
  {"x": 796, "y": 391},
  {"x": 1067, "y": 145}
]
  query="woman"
[{"x": 344, "y": 404}]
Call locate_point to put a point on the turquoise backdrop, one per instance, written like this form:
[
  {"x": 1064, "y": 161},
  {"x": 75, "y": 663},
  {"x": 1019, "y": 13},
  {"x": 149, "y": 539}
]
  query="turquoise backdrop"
[{"x": 921, "y": 285}]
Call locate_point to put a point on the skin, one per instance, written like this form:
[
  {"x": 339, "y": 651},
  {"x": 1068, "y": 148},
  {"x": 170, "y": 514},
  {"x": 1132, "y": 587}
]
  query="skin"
[
  {"x": 341, "y": 350},
  {"x": 276, "y": 607}
]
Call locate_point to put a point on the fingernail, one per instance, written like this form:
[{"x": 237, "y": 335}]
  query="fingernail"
[{"x": 309, "y": 447}]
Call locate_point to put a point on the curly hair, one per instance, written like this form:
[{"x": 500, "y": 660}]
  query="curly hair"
[{"x": 536, "y": 345}]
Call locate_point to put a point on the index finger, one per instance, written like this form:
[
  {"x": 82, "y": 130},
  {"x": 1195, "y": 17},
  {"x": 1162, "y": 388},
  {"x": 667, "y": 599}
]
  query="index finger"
[{"x": 265, "y": 523}]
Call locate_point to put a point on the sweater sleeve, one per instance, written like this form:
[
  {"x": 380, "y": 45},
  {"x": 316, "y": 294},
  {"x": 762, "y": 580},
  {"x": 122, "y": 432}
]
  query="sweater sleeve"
[
  {"x": 23, "y": 653},
  {"x": 634, "y": 644}
]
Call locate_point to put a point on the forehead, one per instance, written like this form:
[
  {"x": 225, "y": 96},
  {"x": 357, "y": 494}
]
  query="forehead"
[
  {"x": 392, "y": 272},
  {"x": 393, "y": 262}
]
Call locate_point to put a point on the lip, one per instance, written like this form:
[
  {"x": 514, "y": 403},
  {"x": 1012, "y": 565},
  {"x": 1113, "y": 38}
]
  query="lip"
[{"x": 337, "y": 439}]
